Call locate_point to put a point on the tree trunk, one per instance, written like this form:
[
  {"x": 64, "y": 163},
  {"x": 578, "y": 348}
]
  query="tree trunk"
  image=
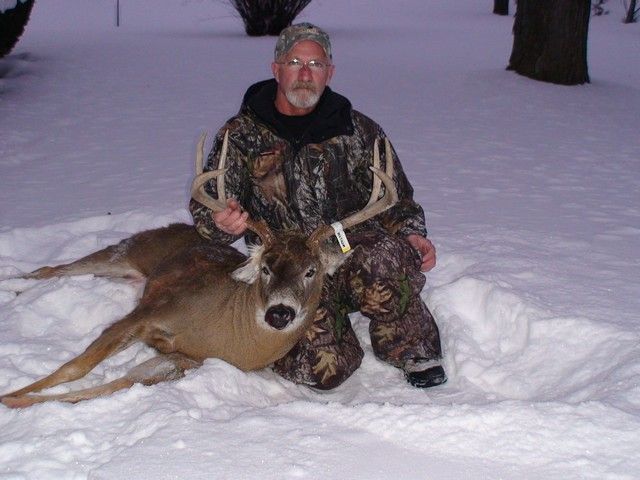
[
  {"x": 631, "y": 13},
  {"x": 501, "y": 7},
  {"x": 550, "y": 40},
  {"x": 12, "y": 23}
]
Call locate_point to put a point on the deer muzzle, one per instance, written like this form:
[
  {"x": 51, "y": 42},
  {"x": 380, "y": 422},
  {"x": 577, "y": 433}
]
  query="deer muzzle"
[{"x": 279, "y": 316}]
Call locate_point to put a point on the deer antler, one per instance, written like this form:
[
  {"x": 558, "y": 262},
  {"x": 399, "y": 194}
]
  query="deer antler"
[
  {"x": 374, "y": 206},
  {"x": 219, "y": 204},
  {"x": 375, "y": 191}
]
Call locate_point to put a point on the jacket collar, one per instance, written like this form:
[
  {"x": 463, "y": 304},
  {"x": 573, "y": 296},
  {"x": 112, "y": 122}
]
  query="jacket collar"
[{"x": 332, "y": 116}]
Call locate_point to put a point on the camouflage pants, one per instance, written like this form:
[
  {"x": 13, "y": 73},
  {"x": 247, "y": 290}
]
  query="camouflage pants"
[{"x": 382, "y": 280}]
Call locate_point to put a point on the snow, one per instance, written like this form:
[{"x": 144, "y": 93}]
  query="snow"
[{"x": 532, "y": 198}]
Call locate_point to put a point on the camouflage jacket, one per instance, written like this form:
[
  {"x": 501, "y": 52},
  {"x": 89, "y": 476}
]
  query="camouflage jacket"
[{"x": 297, "y": 181}]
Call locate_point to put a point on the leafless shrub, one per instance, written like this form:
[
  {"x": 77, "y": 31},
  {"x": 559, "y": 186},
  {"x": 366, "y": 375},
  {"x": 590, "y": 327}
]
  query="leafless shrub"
[{"x": 267, "y": 17}]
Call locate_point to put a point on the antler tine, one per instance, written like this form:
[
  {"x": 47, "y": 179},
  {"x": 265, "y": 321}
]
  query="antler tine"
[
  {"x": 198, "y": 192},
  {"x": 388, "y": 155},
  {"x": 375, "y": 191},
  {"x": 223, "y": 159},
  {"x": 200, "y": 153},
  {"x": 197, "y": 186},
  {"x": 389, "y": 199},
  {"x": 370, "y": 210}
]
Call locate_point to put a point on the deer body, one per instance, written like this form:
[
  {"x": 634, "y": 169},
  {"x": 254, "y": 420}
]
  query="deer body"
[
  {"x": 204, "y": 300},
  {"x": 194, "y": 297}
]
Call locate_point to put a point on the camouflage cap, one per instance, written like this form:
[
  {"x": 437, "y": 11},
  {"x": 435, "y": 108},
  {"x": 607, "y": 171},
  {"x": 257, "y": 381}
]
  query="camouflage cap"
[{"x": 298, "y": 32}]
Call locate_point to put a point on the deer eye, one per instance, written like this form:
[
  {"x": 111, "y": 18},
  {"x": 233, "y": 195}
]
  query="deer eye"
[
  {"x": 265, "y": 271},
  {"x": 310, "y": 273}
]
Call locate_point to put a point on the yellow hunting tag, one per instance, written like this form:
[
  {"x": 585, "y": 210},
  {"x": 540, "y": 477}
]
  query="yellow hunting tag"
[{"x": 341, "y": 236}]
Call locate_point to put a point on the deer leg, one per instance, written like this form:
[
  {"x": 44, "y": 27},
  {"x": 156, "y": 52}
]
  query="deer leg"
[
  {"x": 109, "y": 262},
  {"x": 112, "y": 340},
  {"x": 155, "y": 370},
  {"x": 23, "y": 401}
]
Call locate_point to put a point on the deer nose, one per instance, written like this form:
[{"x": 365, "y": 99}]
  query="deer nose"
[{"x": 279, "y": 316}]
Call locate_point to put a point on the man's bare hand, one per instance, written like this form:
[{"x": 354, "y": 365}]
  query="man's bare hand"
[
  {"x": 426, "y": 249},
  {"x": 231, "y": 220}
]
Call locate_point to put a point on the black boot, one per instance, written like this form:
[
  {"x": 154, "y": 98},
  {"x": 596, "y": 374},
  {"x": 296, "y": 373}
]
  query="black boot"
[{"x": 424, "y": 373}]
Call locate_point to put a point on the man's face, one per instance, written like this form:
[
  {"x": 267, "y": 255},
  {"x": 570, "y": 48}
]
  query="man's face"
[{"x": 301, "y": 83}]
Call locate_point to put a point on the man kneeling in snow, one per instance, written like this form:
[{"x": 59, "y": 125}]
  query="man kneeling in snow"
[{"x": 298, "y": 156}]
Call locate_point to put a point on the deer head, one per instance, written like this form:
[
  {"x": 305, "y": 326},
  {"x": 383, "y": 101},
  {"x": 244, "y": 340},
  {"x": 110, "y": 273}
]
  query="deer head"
[{"x": 288, "y": 268}]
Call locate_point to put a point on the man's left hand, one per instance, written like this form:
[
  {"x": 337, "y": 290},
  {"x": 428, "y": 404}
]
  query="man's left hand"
[{"x": 426, "y": 249}]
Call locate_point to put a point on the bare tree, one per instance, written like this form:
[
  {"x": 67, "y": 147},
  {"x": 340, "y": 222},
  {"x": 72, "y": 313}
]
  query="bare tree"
[
  {"x": 632, "y": 12},
  {"x": 12, "y": 23},
  {"x": 267, "y": 17},
  {"x": 501, "y": 7},
  {"x": 550, "y": 40}
]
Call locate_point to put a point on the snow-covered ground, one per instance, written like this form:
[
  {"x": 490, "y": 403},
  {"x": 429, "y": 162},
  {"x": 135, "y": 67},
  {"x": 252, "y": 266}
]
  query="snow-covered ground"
[{"x": 533, "y": 199}]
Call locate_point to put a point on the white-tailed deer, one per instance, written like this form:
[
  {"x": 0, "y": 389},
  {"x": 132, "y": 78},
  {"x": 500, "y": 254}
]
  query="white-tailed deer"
[{"x": 204, "y": 300}]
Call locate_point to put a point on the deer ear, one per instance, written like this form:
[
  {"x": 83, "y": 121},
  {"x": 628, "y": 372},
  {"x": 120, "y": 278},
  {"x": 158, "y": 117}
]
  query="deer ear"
[
  {"x": 249, "y": 270},
  {"x": 332, "y": 259}
]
